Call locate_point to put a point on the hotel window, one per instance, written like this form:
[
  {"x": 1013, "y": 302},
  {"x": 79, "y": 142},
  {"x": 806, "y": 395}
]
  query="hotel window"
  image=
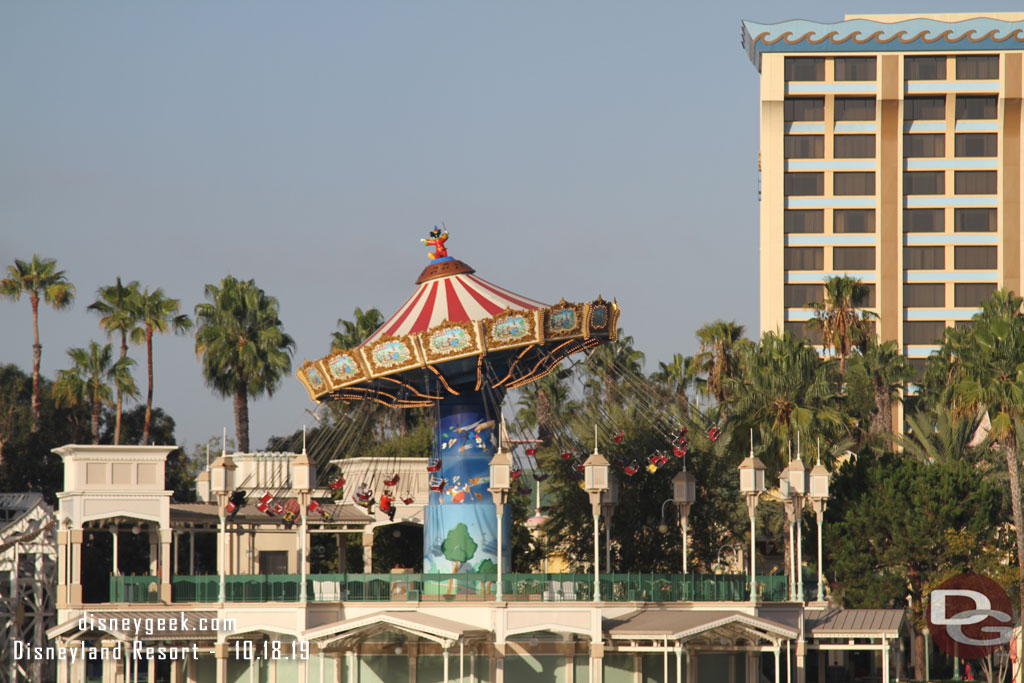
[
  {"x": 869, "y": 297},
  {"x": 971, "y": 295},
  {"x": 799, "y": 296},
  {"x": 924, "y": 68},
  {"x": 974, "y": 220},
  {"x": 924, "y": 182},
  {"x": 853, "y": 220},
  {"x": 855, "y": 68},
  {"x": 974, "y": 67},
  {"x": 804, "y": 146},
  {"x": 963, "y": 324},
  {"x": 924, "y": 258},
  {"x": 855, "y": 109},
  {"x": 804, "y": 258},
  {"x": 804, "y": 109},
  {"x": 925, "y": 332},
  {"x": 975, "y": 258},
  {"x": 918, "y": 366},
  {"x": 924, "y": 145},
  {"x": 924, "y": 296},
  {"x": 976, "y": 145},
  {"x": 854, "y": 147},
  {"x": 805, "y": 68},
  {"x": 800, "y": 330},
  {"x": 853, "y": 258},
  {"x": 924, "y": 108},
  {"x": 856, "y": 183},
  {"x": 924, "y": 220},
  {"x": 976, "y": 107},
  {"x": 804, "y": 184},
  {"x": 975, "y": 182},
  {"x": 808, "y": 220}
]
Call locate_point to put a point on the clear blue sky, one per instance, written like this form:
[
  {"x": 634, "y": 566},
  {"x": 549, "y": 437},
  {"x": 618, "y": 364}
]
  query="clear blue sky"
[{"x": 572, "y": 148}]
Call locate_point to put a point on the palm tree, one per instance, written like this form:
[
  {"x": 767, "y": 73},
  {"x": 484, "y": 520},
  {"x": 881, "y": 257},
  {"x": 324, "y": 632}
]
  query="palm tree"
[
  {"x": 547, "y": 405},
  {"x": 942, "y": 435},
  {"x": 839, "y": 319},
  {"x": 716, "y": 360},
  {"x": 155, "y": 312},
  {"x": 987, "y": 378},
  {"x": 354, "y": 333},
  {"x": 887, "y": 371},
  {"x": 116, "y": 303},
  {"x": 245, "y": 351},
  {"x": 784, "y": 389},
  {"x": 676, "y": 377},
  {"x": 89, "y": 379},
  {"x": 35, "y": 277}
]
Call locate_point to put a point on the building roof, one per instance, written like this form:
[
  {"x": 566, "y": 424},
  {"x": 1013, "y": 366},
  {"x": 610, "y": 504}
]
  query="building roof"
[
  {"x": 852, "y": 623},
  {"x": 428, "y": 626},
  {"x": 206, "y": 513},
  {"x": 921, "y": 33},
  {"x": 679, "y": 624},
  {"x": 454, "y": 294}
]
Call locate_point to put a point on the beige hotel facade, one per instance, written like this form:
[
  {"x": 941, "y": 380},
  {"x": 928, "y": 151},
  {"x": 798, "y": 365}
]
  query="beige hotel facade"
[{"x": 890, "y": 151}]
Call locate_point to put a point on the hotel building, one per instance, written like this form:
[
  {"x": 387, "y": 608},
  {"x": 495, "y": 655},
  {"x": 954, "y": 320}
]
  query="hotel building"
[{"x": 890, "y": 151}]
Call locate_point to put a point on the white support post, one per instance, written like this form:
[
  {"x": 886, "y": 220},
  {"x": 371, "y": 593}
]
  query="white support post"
[
  {"x": 679, "y": 665},
  {"x": 775, "y": 651},
  {"x": 799, "y": 556},
  {"x": 222, "y": 557},
  {"x": 885, "y": 660},
  {"x": 597, "y": 560},
  {"x": 686, "y": 542},
  {"x": 753, "y": 559},
  {"x": 792, "y": 560},
  {"x": 302, "y": 559},
  {"x": 499, "y": 594},
  {"x": 821, "y": 573},
  {"x": 446, "y": 646},
  {"x": 113, "y": 560}
]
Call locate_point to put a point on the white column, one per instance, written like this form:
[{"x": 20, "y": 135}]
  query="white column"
[
  {"x": 302, "y": 559},
  {"x": 499, "y": 593},
  {"x": 753, "y": 559},
  {"x": 113, "y": 560},
  {"x": 597, "y": 560},
  {"x": 821, "y": 573},
  {"x": 664, "y": 675},
  {"x": 792, "y": 561},
  {"x": 885, "y": 660},
  {"x": 776, "y": 653},
  {"x": 679, "y": 666},
  {"x": 352, "y": 662},
  {"x": 222, "y": 559},
  {"x": 799, "y": 556},
  {"x": 445, "y": 646},
  {"x": 686, "y": 541}
]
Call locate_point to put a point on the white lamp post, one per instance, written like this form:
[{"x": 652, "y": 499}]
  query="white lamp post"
[
  {"x": 684, "y": 493},
  {"x": 303, "y": 476},
  {"x": 608, "y": 503},
  {"x": 787, "y": 505},
  {"x": 501, "y": 482},
  {"x": 819, "y": 501},
  {"x": 797, "y": 473},
  {"x": 595, "y": 482},
  {"x": 222, "y": 483},
  {"x": 752, "y": 485}
]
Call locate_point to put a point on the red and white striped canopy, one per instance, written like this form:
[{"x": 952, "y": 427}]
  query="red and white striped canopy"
[{"x": 458, "y": 297}]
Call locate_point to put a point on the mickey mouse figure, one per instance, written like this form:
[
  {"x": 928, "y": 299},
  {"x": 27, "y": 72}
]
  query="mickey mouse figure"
[{"x": 437, "y": 240}]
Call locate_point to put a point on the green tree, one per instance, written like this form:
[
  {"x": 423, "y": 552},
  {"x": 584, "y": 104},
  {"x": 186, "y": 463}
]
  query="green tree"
[
  {"x": 545, "y": 405},
  {"x": 458, "y": 546},
  {"x": 839, "y": 319},
  {"x": 90, "y": 378},
  {"x": 15, "y": 403},
  {"x": 675, "y": 378},
  {"x": 37, "y": 277},
  {"x": 354, "y": 332},
  {"x": 942, "y": 435},
  {"x": 720, "y": 342},
  {"x": 155, "y": 312},
  {"x": 244, "y": 348},
  {"x": 897, "y": 527},
  {"x": 116, "y": 303}
]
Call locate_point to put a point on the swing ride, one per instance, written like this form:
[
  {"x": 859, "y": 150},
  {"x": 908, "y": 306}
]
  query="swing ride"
[{"x": 458, "y": 345}]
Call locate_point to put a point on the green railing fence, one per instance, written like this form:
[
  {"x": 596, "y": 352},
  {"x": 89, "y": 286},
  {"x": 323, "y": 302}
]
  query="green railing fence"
[{"x": 458, "y": 587}]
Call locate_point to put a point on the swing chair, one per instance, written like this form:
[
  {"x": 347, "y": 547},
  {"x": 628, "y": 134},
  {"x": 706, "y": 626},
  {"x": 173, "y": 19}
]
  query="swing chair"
[
  {"x": 632, "y": 468},
  {"x": 434, "y": 464}
]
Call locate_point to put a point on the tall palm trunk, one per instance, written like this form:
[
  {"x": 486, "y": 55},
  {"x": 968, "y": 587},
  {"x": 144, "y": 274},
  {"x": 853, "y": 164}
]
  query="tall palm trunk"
[
  {"x": 120, "y": 397},
  {"x": 37, "y": 352},
  {"x": 96, "y": 408},
  {"x": 242, "y": 416},
  {"x": 149, "y": 392},
  {"x": 1013, "y": 468}
]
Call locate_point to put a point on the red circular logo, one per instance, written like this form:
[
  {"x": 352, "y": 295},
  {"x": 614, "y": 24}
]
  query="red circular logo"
[{"x": 970, "y": 616}]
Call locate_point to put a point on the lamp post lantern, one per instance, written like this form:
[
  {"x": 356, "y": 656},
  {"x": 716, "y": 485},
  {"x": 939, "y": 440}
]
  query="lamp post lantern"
[
  {"x": 303, "y": 476},
  {"x": 819, "y": 501},
  {"x": 684, "y": 493},
  {"x": 595, "y": 482},
  {"x": 752, "y": 485},
  {"x": 501, "y": 482}
]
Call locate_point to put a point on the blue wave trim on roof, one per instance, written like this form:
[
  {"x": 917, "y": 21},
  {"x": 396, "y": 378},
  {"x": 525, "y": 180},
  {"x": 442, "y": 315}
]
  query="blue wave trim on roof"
[{"x": 864, "y": 35}]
